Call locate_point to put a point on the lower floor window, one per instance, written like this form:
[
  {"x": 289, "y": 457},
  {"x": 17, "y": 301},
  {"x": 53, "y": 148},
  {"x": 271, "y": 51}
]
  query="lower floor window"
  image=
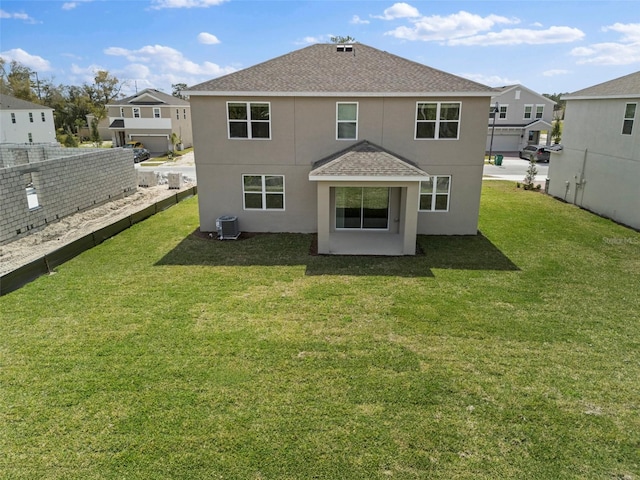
[
  {"x": 362, "y": 207},
  {"x": 263, "y": 192},
  {"x": 435, "y": 193}
]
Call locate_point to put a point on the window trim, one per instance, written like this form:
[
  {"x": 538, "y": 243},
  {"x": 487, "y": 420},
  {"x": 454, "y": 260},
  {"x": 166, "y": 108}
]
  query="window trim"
[
  {"x": 43, "y": 117},
  {"x": 437, "y": 120},
  {"x": 30, "y": 117},
  {"x": 536, "y": 117},
  {"x": 524, "y": 113},
  {"x": 13, "y": 117},
  {"x": 122, "y": 112},
  {"x": 338, "y": 121},
  {"x": 158, "y": 111},
  {"x": 506, "y": 110},
  {"x": 263, "y": 192},
  {"x": 177, "y": 114},
  {"x": 134, "y": 111},
  {"x": 248, "y": 120},
  {"x": 434, "y": 195},
  {"x": 626, "y": 119}
]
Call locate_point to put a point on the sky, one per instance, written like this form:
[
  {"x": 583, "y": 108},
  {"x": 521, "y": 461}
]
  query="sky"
[{"x": 549, "y": 46}]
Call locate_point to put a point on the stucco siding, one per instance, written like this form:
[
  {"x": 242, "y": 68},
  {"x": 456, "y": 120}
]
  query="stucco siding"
[
  {"x": 599, "y": 168},
  {"x": 303, "y": 131}
]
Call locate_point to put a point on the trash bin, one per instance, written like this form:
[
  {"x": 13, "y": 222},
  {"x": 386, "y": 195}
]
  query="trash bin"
[{"x": 498, "y": 159}]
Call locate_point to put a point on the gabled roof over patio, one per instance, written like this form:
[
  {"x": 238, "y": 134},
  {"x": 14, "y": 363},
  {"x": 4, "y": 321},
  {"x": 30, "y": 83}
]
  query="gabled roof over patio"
[{"x": 366, "y": 161}]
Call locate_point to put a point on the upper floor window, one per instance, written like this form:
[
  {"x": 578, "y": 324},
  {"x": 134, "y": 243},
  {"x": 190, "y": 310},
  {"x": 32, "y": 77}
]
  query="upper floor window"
[
  {"x": 347, "y": 121},
  {"x": 122, "y": 112},
  {"x": 184, "y": 113},
  {"x": 13, "y": 118},
  {"x": 434, "y": 194},
  {"x": 249, "y": 119},
  {"x": 177, "y": 114},
  {"x": 528, "y": 112},
  {"x": 42, "y": 116},
  {"x": 503, "y": 111},
  {"x": 30, "y": 117},
  {"x": 136, "y": 112},
  {"x": 30, "y": 136},
  {"x": 263, "y": 192},
  {"x": 156, "y": 113},
  {"x": 629, "y": 117},
  {"x": 438, "y": 120},
  {"x": 539, "y": 111}
]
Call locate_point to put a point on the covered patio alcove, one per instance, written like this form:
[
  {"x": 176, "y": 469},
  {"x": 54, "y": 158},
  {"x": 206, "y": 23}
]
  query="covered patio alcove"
[{"x": 367, "y": 200}]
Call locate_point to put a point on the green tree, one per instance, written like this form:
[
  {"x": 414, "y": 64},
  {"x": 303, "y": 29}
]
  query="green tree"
[
  {"x": 341, "y": 39},
  {"x": 556, "y": 131},
  {"x": 95, "y": 133},
  {"x": 177, "y": 88},
  {"x": 104, "y": 90},
  {"x": 16, "y": 81},
  {"x": 530, "y": 177}
]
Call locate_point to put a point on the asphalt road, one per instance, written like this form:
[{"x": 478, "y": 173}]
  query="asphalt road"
[
  {"x": 512, "y": 168},
  {"x": 515, "y": 169}
]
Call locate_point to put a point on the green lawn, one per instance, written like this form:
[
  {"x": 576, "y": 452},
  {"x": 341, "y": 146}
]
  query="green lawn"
[{"x": 162, "y": 355}]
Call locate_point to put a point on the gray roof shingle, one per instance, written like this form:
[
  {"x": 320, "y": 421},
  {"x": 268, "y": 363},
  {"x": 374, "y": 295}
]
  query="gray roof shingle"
[
  {"x": 628, "y": 85},
  {"x": 7, "y": 102},
  {"x": 163, "y": 99},
  {"x": 321, "y": 68},
  {"x": 365, "y": 159}
]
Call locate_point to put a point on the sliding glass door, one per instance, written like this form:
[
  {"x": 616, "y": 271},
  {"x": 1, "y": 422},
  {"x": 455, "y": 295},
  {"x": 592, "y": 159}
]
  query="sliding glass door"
[{"x": 362, "y": 208}]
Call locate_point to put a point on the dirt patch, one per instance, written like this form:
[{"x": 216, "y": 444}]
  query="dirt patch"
[{"x": 55, "y": 235}]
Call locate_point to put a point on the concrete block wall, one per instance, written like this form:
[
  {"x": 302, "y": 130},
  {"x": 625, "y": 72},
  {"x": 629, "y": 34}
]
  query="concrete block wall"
[{"x": 66, "y": 181}]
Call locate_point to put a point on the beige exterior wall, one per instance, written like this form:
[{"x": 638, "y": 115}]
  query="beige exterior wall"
[
  {"x": 303, "y": 131},
  {"x": 599, "y": 168},
  {"x": 149, "y": 126}
]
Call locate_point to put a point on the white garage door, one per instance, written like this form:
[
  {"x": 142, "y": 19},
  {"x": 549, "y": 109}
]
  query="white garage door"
[{"x": 153, "y": 144}]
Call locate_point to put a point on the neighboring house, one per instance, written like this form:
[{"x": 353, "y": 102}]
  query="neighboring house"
[
  {"x": 520, "y": 120},
  {"x": 25, "y": 122},
  {"x": 363, "y": 147},
  {"x": 103, "y": 128},
  {"x": 150, "y": 117},
  {"x": 599, "y": 165}
]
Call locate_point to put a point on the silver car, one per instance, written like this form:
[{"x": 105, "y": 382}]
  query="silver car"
[{"x": 539, "y": 153}]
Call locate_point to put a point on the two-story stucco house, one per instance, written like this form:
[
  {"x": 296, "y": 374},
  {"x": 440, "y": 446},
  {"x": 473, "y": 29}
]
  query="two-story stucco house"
[
  {"x": 25, "y": 122},
  {"x": 363, "y": 147},
  {"x": 521, "y": 117},
  {"x": 599, "y": 165},
  {"x": 150, "y": 117}
]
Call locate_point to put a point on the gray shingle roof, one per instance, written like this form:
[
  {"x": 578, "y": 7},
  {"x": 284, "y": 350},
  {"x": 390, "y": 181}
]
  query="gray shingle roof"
[
  {"x": 321, "y": 68},
  {"x": 628, "y": 86},
  {"x": 7, "y": 102},
  {"x": 163, "y": 99},
  {"x": 365, "y": 159}
]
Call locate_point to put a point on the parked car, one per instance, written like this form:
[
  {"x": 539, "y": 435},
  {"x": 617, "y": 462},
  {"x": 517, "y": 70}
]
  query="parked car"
[
  {"x": 140, "y": 155},
  {"x": 537, "y": 152},
  {"x": 133, "y": 145}
]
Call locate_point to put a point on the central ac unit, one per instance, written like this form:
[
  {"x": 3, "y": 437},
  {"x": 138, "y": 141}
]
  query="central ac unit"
[{"x": 227, "y": 227}]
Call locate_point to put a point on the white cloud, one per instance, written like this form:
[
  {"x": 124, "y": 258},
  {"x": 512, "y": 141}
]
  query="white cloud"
[
  {"x": 356, "y": 20},
  {"x": 399, "y": 10},
  {"x": 17, "y": 16},
  {"x": 34, "y": 62},
  {"x": 554, "y": 72},
  {"x": 522, "y": 36},
  {"x": 208, "y": 38},
  {"x": 312, "y": 40},
  {"x": 69, "y": 5},
  {"x": 167, "y": 59},
  {"x": 631, "y": 31},
  {"x": 624, "y": 52},
  {"x": 490, "y": 80},
  {"x": 442, "y": 29},
  {"x": 159, "y": 4}
]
